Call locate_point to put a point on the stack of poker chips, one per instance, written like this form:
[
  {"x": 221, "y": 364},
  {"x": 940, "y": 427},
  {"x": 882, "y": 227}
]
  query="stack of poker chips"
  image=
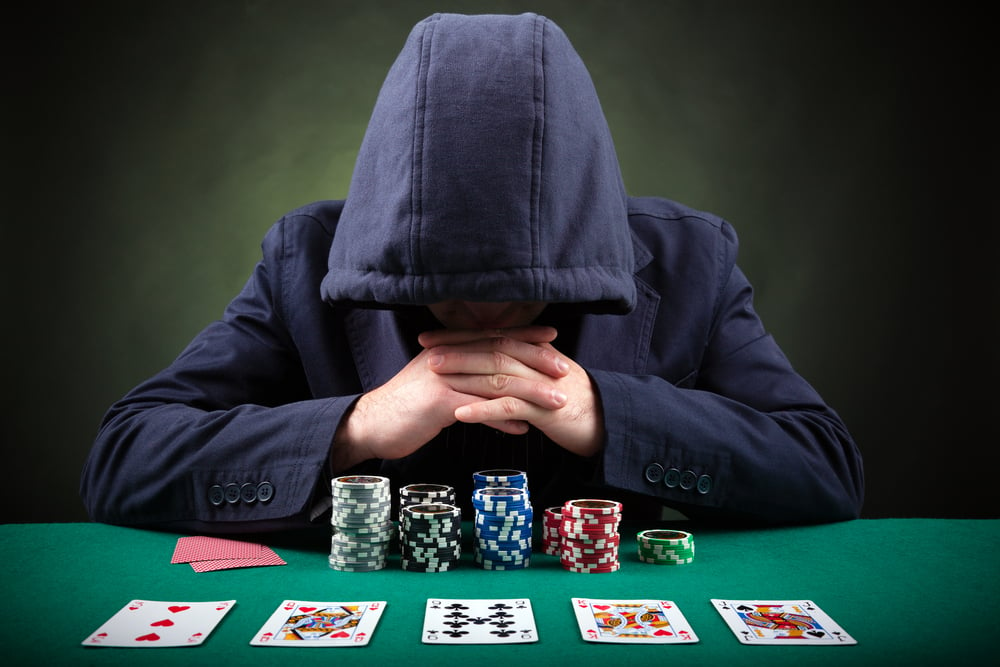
[
  {"x": 430, "y": 537},
  {"x": 418, "y": 494},
  {"x": 665, "y": 547},
  {"x": 550, "y": 531},
  {"x": 502, "y": 528},
  {"x": 362, "y": 524},
  {"x": 589, "y": 536}
]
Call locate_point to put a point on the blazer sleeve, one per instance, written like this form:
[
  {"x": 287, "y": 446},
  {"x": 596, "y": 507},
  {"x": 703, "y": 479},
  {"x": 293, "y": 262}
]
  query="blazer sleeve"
[
  {"x": 229, "y": 437},
  {"x": 742, "y": 435}
]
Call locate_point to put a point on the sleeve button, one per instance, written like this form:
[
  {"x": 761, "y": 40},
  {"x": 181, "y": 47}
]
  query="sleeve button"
[
  {"x": 672, "y": 478},
  {"x": 216, "y": 495},
  {"x": 248, "y": 492},
  {"x": 653, "y": 473},
  {"x": 704, "y": 484},
  {"x": 688, "y": 480},
  {"x": 232, "y": 492},
  {"x": 265, "y": 491}
]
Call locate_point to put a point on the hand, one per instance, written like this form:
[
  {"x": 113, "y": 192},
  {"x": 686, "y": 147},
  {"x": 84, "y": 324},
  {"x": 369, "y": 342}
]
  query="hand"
[
  {"x": 406, "y": 412},
  {"x": 524, "y": 380}
]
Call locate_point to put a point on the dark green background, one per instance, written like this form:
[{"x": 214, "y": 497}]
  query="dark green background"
[{"x": 148, "y": 146}]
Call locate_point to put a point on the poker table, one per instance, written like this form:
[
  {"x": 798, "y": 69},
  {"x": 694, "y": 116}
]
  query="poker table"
[{"x": 910, "y": 591}]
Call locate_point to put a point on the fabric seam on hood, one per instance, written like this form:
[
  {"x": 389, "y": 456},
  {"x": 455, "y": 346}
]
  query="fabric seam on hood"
[
  {"x": 417, "y": 171},
  {"x": 537, "y": 143}
]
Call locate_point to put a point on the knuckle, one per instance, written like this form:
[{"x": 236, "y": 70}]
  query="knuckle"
[
  {"x": 508, "y": 406},
  {"x": 579, "y": 413},
  {"x": 500, "y": 360},
  {"x": 499, "y": 382},
  {"x": 543, "y": 391}
]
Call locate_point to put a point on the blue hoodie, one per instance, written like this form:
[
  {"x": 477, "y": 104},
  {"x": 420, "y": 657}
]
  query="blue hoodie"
[{"x": 487, "y": 173}]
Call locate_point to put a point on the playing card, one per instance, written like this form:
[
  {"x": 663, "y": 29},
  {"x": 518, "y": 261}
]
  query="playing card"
[
  {"x": 632, "y": 622},
  {"x": 299, "y": 623},
  {"x": 266, "y": 557},
  {"x": 479, "y": 622},
  {"x": 780, "y": 622},
  {"x": 152, "y": 623},
  {"x": 207, "y": 554},
  {"x": 202, "y": 547}
]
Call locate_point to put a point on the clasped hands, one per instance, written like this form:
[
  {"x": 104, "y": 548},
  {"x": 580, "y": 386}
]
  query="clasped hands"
[{"x": 507, "y": 379}]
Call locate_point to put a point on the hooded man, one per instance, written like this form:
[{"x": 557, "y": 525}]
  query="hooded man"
[{"x": 487, "y": 296}]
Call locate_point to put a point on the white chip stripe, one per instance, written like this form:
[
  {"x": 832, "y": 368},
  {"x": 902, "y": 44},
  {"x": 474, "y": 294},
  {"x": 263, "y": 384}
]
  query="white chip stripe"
[
  {"x": 512, "y": 519},
  {"x": 572, "y": 527},
  {"x": 350, "y": 540}
]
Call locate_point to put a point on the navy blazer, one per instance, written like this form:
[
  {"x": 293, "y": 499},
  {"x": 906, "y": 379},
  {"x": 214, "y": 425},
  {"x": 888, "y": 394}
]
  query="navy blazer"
[{"x": 703, "y": 412}]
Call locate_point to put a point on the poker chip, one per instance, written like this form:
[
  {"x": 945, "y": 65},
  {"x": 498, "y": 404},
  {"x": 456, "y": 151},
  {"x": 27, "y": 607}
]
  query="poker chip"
[
  {"x": 495, "y": 499},
  {"x": 665, "y": 547},
  {"x": 362, "y": 528},
  {"x": 356, "y": 482},
  {"x": 417, "y": 494},
  {"x": 499, "y": 479},
  {"x": 591, "y": 507},
  {"x": 586, "y": 535},
  {"x": 430, "y": 536},
  {"x": 502, "y": 525}
]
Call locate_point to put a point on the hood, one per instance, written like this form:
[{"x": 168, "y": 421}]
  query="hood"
[{"x": 487, "y": 173}]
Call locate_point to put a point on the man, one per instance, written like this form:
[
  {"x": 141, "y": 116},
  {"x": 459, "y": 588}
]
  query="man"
[{"x": 487, "y": 296}]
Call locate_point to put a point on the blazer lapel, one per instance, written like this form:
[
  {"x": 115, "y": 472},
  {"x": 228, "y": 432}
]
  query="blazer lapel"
[{"x": 621, "y": 342}]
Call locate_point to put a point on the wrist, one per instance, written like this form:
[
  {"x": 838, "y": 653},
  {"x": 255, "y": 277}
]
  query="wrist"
[{"x": 349, "y": 447}]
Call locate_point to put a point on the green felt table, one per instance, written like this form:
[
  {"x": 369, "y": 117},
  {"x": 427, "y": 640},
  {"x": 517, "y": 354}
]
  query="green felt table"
[{"x": 911, "y": 591}]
